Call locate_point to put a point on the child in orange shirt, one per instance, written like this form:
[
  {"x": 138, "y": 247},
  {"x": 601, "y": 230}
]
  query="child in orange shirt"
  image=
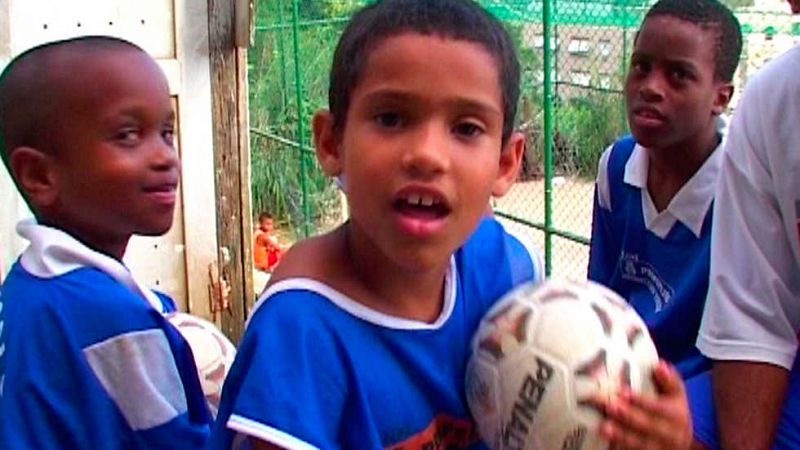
[{"x": 266, "y": 250}]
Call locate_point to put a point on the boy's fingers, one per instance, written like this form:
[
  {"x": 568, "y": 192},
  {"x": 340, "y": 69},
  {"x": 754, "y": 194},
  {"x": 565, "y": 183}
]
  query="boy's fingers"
[
  {"x": 620, "y": 439},
  {"x": 667, "y": 379},
  {"x": 633, "y": 418}
]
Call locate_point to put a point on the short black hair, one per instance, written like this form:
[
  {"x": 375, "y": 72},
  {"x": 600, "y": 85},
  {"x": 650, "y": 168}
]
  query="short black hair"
[
  {"x": 28, "y": 95},
  {"x": 454, "y": 19},
  {"x": 709, "y": 14}
]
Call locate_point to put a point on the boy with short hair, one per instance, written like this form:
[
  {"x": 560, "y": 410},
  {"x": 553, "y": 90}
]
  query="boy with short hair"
[
  {"x": 652, "y": 215},
  {"x": 89, "y": 361},
  {"x": 362, "y": 338}
]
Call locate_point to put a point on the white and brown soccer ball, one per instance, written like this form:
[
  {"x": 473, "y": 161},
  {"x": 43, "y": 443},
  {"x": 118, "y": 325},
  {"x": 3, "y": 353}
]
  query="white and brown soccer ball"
[
  {"x": 213, "y": 353},
  {"x": 541, "y": 351}
]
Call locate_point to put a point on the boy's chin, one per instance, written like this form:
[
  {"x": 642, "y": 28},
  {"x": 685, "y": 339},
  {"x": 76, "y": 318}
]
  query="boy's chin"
[
  {"x": 154, "y": 229},
  {"x": 648, "y": 140}
]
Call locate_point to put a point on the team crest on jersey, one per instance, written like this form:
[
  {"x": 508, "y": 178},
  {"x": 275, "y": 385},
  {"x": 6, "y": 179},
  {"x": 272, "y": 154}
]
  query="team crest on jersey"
[{"x": 639, "y": 271}]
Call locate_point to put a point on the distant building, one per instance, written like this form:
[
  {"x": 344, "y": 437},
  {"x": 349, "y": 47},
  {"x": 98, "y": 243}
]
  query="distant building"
[{"x": 592, "y": 40}]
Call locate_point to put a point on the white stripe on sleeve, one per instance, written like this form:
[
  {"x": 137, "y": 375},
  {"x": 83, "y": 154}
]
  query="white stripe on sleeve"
[
  {"x": 267, "y": 434},
  {"x": 139, "y": 373}
]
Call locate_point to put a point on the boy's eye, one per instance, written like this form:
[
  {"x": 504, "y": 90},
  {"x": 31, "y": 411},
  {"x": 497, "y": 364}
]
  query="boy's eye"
[
  {"x": 389, "y": 120},
  {"x": 468, "y": 129},
  {"x": 127, "y": 136},
  {"x": 681, "y": 74},
  {"x": 640, "y": 66},
  {"x": 168, "y": 134}
]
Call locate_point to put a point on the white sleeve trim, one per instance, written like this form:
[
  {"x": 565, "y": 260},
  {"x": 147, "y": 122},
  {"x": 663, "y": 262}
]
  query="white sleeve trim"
[
  {"x": 603, "y": 188},
  {"x": 729, "y": 350},
  {"x": 266, "y": 433}
]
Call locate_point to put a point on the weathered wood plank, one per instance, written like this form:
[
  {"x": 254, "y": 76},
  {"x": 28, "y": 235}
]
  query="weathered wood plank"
[{"x": 228, "y": 67}]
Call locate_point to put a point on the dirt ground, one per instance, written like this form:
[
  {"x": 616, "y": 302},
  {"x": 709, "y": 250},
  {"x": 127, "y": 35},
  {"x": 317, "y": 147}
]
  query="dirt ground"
[{"x": 572, "y": 212}]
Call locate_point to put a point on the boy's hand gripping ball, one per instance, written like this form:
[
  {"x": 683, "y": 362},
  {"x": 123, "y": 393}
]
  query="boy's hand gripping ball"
[{"x": 541, "y": 352}]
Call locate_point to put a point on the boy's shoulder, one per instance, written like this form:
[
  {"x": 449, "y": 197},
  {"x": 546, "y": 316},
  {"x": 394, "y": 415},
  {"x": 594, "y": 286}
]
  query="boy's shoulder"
[
  {"x": 621, "y": 149},
  {"x": 308, "y": 258},
  {"x": 83, "y": 287},
  {"x": 771, "y": 80},
  {"x": 611, "y": 167},
  {"x": 86, "y": 302}
]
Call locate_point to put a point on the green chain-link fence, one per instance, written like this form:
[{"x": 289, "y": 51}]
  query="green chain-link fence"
[{"x": 574, "y": 56}]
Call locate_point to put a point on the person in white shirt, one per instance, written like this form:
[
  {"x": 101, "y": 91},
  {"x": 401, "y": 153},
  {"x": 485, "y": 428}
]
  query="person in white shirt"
[{"x": 752, "y": 314}]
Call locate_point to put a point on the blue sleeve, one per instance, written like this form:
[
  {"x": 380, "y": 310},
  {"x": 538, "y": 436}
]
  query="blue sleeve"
[
  {"x": 167, "y": 303},
  {"x": 603, "y": 250},
  {"x": 493, "y": 261},
  {"x": 44, "y": 403},
  {"x": 66, "y": 390},
  {"x": 287, "y": 385}
]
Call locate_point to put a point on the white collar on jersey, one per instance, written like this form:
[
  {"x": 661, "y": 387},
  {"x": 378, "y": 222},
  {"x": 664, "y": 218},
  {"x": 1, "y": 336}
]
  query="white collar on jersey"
[
  {"x": 691, "y": 203},
  {"x": 52, "y": 253},
  {"x": 359, "y": 310}
]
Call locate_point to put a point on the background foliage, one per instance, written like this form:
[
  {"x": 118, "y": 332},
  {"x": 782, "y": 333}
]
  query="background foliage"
[{"x": 590, "y": 47}]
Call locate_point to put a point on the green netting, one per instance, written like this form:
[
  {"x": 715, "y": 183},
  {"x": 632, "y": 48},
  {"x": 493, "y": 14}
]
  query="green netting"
[{"x": 574, "y": 56}]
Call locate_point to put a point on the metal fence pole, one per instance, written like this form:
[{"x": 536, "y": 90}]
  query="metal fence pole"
[
  {"x": 301, "y": 119},
  {"x": 282, "y": 56},
  {"x": 547, "y": 17}
]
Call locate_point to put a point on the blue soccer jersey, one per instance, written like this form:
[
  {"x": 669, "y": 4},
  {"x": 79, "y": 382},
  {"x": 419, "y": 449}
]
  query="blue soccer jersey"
[
  {"x": 89, "y": 361},
  {"x": 658, "y": 261},
  {"x": 316, "y": 369}
]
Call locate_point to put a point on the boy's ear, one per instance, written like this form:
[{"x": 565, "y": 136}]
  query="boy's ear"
[
  {"x": 510, "y": 161},
  {"x": 723, "y": 96},
  {"x": 326, "y": 143},
  {"x": 34, "y": 172}
]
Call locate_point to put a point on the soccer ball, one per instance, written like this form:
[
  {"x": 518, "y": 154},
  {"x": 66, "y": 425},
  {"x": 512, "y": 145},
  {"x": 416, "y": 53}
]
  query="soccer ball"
[
  {"x": 213, "y": 353},
  {"x": 544, "y": 349}
]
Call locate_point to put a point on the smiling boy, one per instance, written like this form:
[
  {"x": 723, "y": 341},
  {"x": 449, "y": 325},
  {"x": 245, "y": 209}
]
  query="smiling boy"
[{"x": 86, "y": 128}]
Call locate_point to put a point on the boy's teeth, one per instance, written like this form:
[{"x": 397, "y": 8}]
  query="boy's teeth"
[
  {"x": 427, "y": 200},
  {"x": 413, "y": 199}
]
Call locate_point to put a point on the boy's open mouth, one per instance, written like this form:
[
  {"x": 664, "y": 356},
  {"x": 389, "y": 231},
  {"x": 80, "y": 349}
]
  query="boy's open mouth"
[{"x": 421, "y": 206}]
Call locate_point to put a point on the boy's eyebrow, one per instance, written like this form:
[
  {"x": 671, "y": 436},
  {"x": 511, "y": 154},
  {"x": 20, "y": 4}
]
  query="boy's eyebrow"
[
  {"x": 485, "y": 106},
  {"x": 684, "y": 63},
  {"x": 136, "y": 112}
]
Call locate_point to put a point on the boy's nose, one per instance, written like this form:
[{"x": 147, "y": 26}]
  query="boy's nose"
[
  {"x": 652, "y": 88},
  {"x": 164, "y": 156},
  {"x": 428, "y": 152}
]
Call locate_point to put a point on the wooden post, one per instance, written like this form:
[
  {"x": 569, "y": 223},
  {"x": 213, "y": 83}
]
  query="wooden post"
[
  {"x": 231, "y": 160},
  {"x": 244, "y": 176}
]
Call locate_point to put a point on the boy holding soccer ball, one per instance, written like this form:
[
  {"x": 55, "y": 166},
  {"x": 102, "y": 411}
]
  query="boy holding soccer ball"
[
  {"x": 87, "y": 358},
  {"x": 651, "y": 231},
  {"x": 362, "y": 338}
]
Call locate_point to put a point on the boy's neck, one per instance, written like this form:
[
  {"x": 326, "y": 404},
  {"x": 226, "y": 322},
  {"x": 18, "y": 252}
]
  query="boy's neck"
[
  {"x": 378, "y": 283},
  {"x": 114, "y": 248},
  {"x": 670, "y": 168}
]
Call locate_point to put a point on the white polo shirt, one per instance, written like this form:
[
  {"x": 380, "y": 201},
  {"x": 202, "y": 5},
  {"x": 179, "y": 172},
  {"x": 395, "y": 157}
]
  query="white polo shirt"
[{"x": 753, "y": 309}]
